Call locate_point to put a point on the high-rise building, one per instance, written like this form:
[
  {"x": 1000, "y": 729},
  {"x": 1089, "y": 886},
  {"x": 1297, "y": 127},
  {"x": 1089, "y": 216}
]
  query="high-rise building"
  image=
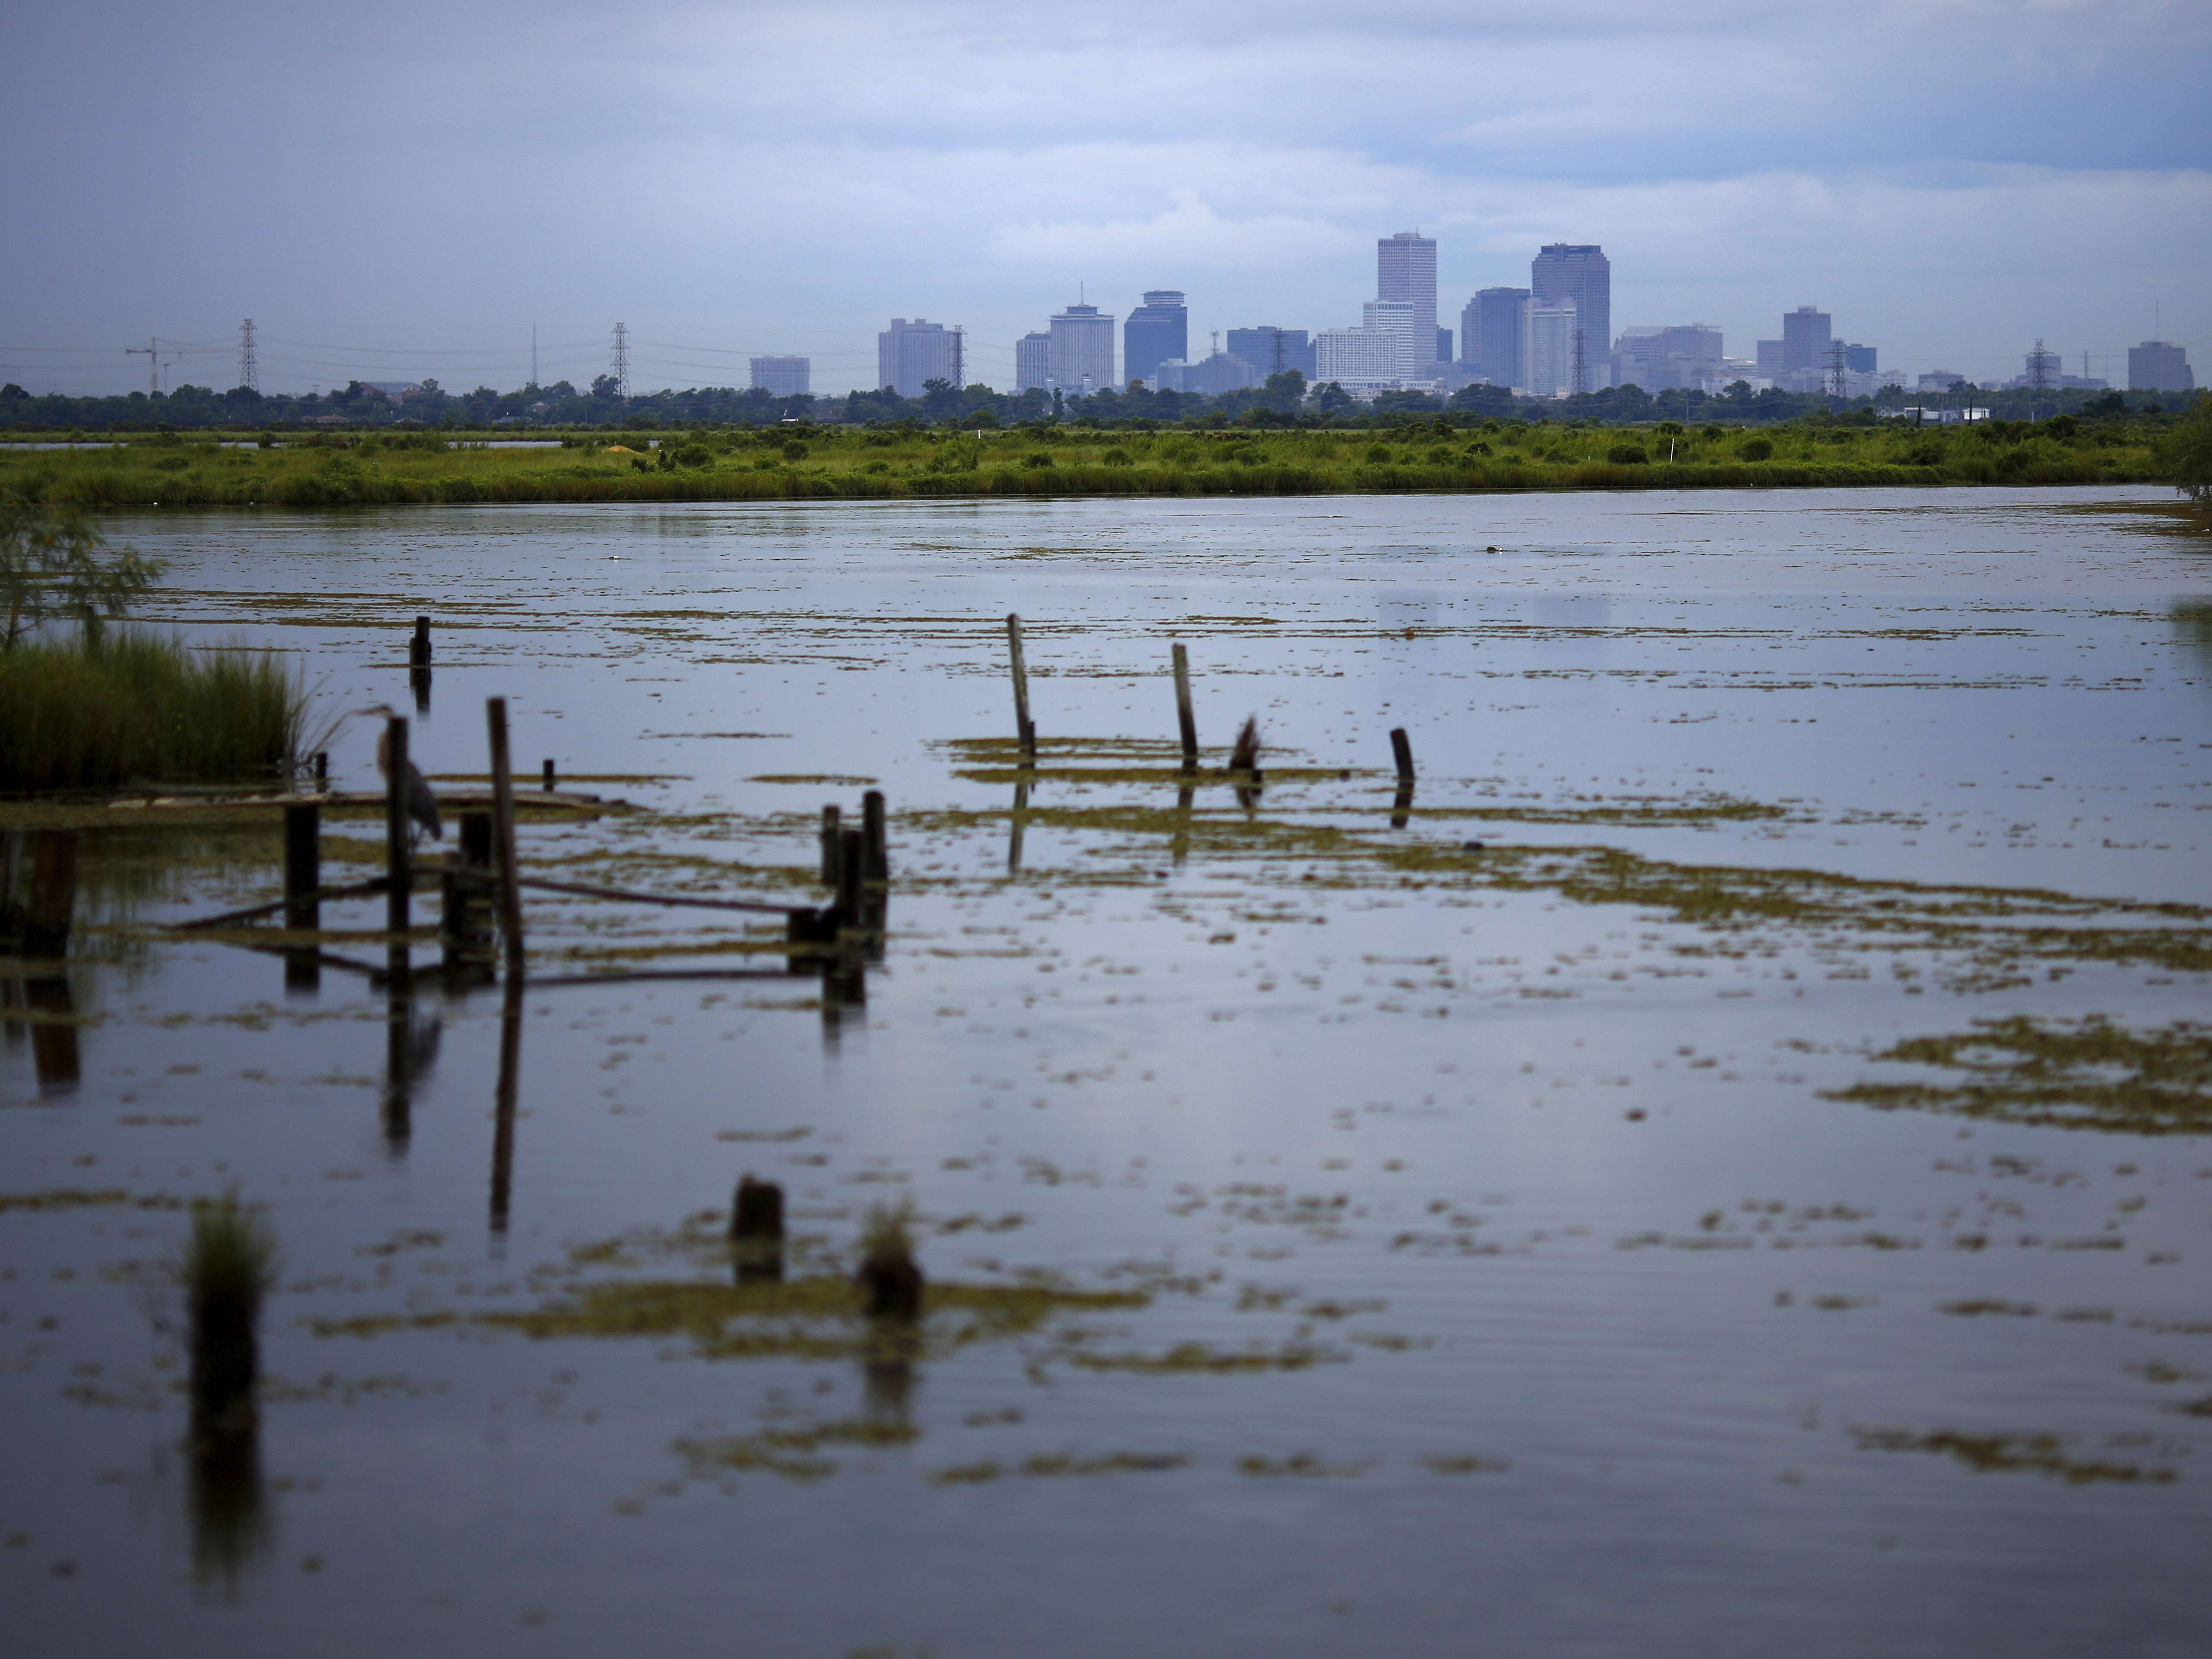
[
  {"x": 1221, "y": 371},
  {"x": 908, "y": 354},
  {"x": 1861, "y": 359},
  {"x": 1806, "y": 337},
  {"x": 1443, "y": 345},
  {"x": 1490, "y": 331},
  {"x": 1033, "y": 362},
  {"x": 1156, "y": 331},
  {"x": 1676, "y": 358},
  {"x": 1358, "y": 359},
  {"x": 1080, "y": 358},
  {"x": 1272, "y": 350},
  {"x": 1406, "y": 276},
  {"x": 1400, "y": 319},
  {"x": 1579, "y": 273},
  {"x": 784, "y": 377},
  {"x": 2159, "y": 366},
  {"x": 1547, "y": 349}
]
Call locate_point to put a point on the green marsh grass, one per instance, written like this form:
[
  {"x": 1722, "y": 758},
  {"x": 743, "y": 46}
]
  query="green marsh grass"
[
  {"x": 138, "y": 707},
  {"x": 891, "y": 462}
]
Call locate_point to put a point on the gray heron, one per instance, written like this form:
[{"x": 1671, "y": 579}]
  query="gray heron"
[{"x": 421, "y": 805}]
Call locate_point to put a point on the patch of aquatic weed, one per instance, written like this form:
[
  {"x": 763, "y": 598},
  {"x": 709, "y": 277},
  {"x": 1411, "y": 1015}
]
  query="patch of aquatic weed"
[
  {"x": 2037, "y": 1454},
  {"x": 2080, "y": 1074},
  {"x": 790, "y": 1454},
  {"x": 1995, "y": 936}
]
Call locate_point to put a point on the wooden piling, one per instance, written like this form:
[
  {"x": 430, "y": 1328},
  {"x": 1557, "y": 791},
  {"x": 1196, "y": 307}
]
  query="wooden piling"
[
  {"x": 757, "y": 1229},
  {"x": 550, "y": 780},
  {"x": 1184, "y": 716},
  {"x": 465, "y": 928},
  {"x": 303, "y": 881},
  {"x": 502, "y": 815},
  {"x": 322, "y": 771},
  {"x": 852, "y": 865},
  {"x": 875, "y": 852},
  {"x": 418, "y": 649},
  {"x": 1401, "y": 747},
  {"x": 303, "y": 865},
  {"x": 1024, "y": 727},
  {"x": 398, "y": 874},
  {"x": 833, "y": 845}
]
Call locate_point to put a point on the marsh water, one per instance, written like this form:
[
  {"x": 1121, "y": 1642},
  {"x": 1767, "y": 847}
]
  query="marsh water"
[{"x": 1722, "y": 1169}]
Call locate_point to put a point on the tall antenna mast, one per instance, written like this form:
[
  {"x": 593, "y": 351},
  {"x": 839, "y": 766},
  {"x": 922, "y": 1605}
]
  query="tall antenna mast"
[
  {"x": 621, "y": 360},
  {"x": 249, "y": 360},
  {"x": 533, "y": 356}
]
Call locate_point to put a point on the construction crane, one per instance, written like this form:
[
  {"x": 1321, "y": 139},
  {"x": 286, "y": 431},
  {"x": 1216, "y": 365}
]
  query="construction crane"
[{"x": 153, "y": 351}]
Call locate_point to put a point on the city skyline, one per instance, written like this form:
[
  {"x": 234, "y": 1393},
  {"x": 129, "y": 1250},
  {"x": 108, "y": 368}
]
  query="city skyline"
[{"x": 732, "y": 183}]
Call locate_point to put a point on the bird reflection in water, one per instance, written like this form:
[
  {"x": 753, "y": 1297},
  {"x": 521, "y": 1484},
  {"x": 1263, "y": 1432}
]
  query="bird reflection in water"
[{"x": 411, "y": 1036}]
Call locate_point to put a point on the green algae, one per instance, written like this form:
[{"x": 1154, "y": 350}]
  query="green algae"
[
  {"x": 2080, "y": 1074},
  {"x": 2038, "y": 1453}
]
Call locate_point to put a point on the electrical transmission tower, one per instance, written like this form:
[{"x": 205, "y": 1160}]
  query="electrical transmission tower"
[
  {"x": 249, "y": 359},
  {"x": 960, "y": 361},
  {"x": 1838, "y": 367},
  {"x": 2039, "y": 378},
  {"x": 622, "y": 359},
  {"x": 1582, "y": 362},
  {"x": 1278, "y": 340}
]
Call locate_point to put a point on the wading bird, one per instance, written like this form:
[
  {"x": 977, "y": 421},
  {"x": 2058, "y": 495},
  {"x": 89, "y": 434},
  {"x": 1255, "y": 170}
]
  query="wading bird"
[{"x": 421, "y": 805}]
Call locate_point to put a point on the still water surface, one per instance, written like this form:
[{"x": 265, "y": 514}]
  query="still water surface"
[{"x": 1524, "y": 1248}]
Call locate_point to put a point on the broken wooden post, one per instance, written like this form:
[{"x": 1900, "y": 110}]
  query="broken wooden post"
[
  {"x": 833, "y": 845},
  {"x": 549, "y": 772},
  {"x": 502, "y": 818},
  {"x": 468, "y": 888},
  {"x": 399, "y": 875},
  {"x": 1184, "y": 717},
  {"x": 757, "y": 1229},
  {"x": 418, "y": 649},
  {"x": 1401, "y": 747},
  {"x": 1024, "y": 727},
  {"x": 876, "y": 865},
  {"x": 322, "y": 771}
]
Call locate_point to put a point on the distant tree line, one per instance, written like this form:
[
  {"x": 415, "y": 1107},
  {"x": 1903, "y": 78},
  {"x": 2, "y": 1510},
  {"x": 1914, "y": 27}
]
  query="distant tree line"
[{"x": 1284, "y": 400}]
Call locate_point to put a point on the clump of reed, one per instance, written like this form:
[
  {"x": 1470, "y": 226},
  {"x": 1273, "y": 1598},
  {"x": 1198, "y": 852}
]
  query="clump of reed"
[
  {"x": 92, "y": 713},
  {"x": 229, "y": 1264},
  {"x": 1245, "y": 757},
  {"x": 889, "y": 1278}
]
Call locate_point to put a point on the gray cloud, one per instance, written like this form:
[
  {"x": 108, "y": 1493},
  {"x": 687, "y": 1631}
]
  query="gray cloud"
[{"x": 1951, "y": 179}]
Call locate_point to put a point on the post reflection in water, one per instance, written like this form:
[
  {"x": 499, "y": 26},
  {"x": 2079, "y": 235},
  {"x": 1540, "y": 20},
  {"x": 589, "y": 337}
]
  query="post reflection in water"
[
  {"x": 1400, "y": 807},
  {"x": 418, "y": 681},
  {"x": 1014, "y": 835},
  {"x": 1179, "y": 848},
  {"x": 411, "y": 1049},
  {"x": 503, "y": 1135},
  {"x": 231, "y": 1523},
  {"x": 45, "y": 1008}
]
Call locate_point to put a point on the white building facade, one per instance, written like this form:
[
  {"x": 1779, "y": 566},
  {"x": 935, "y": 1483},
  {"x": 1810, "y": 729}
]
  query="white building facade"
[{"x": 783, "y": 377}]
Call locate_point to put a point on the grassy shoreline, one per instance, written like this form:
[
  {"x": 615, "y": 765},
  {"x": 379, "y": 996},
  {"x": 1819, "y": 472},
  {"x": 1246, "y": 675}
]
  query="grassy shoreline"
[{"x": 895, "y": 463}]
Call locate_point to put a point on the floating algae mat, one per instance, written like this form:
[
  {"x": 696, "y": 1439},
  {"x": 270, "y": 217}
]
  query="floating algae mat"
[{"x": 1720, "y": 1157}]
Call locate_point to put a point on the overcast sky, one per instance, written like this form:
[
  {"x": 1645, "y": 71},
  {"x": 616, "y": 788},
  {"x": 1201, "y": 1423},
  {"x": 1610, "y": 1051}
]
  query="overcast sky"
[{"x": 395, "y": 189}]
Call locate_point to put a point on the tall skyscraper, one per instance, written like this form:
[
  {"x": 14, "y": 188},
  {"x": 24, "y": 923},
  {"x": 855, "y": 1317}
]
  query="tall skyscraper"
[
  {"x": 908, "y": 354},
  {"x": 1579, "y": 272},
  {"x": 1490, "y": 335},
  {"x": 1156, "y": 331},
  {"x": 784, "y": 377},
  {"x": 1033, "y": 362},
  {"x": 1080, "y": 358},
  {"x": 1406, "y": 276},
  {"x": 1805, "y": 338}
]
